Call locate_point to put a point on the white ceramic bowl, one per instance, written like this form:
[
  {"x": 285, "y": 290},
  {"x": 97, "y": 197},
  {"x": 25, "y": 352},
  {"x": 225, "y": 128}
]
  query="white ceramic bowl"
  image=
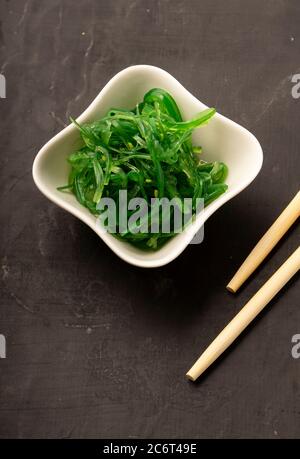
[{"x": 221, "y": 139}]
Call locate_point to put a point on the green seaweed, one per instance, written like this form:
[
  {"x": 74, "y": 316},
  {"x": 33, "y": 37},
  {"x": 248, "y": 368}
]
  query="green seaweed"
[{"x": 147, "y": 151}]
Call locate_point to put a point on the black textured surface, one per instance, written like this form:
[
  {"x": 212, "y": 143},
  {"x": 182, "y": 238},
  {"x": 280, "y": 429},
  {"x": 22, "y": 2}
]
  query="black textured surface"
[{"x": 98, "y": 348}]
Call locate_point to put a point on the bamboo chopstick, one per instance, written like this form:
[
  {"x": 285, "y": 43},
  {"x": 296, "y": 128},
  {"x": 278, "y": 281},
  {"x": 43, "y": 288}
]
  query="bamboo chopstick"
[
  {"x": 246, "y": 315},
  {"x": 266, "y": 243}
]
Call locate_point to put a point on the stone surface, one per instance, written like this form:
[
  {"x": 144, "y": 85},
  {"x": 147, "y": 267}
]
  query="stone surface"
[{"x": 98, "y": 348}]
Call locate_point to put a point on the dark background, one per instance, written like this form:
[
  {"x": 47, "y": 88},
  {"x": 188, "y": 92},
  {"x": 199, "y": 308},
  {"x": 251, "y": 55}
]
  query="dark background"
[{"x": 99, "y": 348}]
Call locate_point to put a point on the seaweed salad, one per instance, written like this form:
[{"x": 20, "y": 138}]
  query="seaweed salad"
[{"x": 148, "y": 152}]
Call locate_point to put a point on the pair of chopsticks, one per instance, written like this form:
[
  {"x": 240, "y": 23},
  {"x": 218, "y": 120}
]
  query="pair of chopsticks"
[{"x": 264, "y": 294}]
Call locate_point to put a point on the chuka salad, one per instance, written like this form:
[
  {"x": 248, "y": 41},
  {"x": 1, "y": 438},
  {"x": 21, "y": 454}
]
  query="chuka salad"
[{"x": 148, "y": 152}]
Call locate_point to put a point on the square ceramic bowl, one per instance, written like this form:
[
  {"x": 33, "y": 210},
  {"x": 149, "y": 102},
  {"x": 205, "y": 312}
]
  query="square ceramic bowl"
[{"x": 221, "y": 140}]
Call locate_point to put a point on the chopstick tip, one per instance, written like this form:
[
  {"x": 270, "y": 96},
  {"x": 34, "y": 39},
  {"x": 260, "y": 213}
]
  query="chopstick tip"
[
  {"x": 190, "y": 377},
  {"x": 230, "y": 288}
]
